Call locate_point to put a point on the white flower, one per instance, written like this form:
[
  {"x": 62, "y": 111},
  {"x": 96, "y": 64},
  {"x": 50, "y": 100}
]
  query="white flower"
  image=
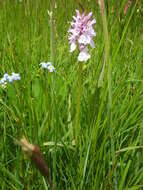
[
  {"x": 48, "y": 66},
  {"x": 44, "y": 65},
  {"x": 84, "y": 55},
  {"x": 51, "y": 68},
  {"x": 84, "y": 39},
  {"x": 10, "y": 78},
  {"x": 15, "y": 76},
  {"x": 2, "y": 81},
  {"x": 5, "y": 76}
]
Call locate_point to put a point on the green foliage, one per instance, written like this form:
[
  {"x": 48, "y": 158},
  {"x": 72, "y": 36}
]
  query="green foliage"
[{"x": 42, "y": 106}]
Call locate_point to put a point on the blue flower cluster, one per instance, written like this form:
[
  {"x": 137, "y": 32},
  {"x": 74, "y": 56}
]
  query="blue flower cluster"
[{"x": 10, "y": 78}]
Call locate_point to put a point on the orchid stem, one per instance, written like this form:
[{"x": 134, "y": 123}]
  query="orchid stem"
[{"x": 78, "y": 103}]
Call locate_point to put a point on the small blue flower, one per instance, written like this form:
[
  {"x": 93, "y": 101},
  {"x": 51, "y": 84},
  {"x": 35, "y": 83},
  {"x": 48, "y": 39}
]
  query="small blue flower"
[
  {"x": 48, "y": 66},
  {"x": 5, "y": 76},
  {"x": 10, "y": 78},
  {"x": 2, "y": 81},
  {"x": 44, "y": 65},
  {"x": 51, "y": 68},
  {"x": 15, "y": 76}
]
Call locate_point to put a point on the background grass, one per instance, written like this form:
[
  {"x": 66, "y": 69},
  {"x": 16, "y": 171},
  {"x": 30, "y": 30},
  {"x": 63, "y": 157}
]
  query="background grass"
[{"x": 42, "y": 106}]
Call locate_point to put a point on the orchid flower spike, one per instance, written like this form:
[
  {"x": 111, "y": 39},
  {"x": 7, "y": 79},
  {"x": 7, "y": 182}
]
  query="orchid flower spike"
[{"x": 81, "y": 34}]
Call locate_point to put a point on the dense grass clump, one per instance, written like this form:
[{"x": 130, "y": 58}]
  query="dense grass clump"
[{"x": 106, "y": 150}]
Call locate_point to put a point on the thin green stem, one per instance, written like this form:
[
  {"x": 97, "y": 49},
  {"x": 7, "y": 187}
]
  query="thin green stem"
[
  {"x": 52, "y": 34},
  {"x": 52, "y": 57},
  {"x": 78, "y": 103}
]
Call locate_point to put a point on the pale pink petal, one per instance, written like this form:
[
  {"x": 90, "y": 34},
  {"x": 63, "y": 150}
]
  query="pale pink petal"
[
  {"x": 92, "y": 22},
  {"x": 84, "y": 39},
  {"x": 83, "y": 55},
  {"x": 92, "y": 43},
  {"x": 72, "y": 47},
  {"x": 77, "y": 12},
  {"x": 89, "y": 15}
]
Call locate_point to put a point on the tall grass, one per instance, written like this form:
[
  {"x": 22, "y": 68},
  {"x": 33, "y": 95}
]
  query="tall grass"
[{"x": 42, "y": 106}]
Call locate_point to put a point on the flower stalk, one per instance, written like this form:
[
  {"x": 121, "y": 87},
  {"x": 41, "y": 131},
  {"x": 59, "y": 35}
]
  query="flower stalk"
[{"x": 78, "y": 103}]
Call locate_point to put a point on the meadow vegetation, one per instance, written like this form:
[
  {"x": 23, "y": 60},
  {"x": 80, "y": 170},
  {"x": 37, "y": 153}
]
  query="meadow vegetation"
[{"x": 106, "y": 152}]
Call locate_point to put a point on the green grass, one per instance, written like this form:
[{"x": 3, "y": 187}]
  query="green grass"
[{"x": 42, "y": 106}]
